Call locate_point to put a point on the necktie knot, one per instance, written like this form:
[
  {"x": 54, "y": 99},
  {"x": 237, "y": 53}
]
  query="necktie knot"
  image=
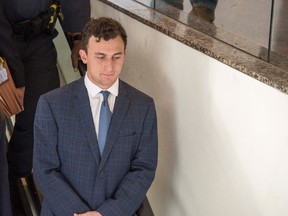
[{"x": 105, "y": 97}]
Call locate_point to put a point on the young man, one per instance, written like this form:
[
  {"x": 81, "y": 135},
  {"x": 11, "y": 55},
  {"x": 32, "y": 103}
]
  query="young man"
[{"x": 75, "y": 172}]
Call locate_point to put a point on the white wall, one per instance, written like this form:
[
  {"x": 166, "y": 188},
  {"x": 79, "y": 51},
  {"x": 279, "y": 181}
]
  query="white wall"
[{"x": 223, "y": 141}]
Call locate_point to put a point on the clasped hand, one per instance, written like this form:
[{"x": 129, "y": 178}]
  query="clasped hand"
[{"x": 89, "y": 213}]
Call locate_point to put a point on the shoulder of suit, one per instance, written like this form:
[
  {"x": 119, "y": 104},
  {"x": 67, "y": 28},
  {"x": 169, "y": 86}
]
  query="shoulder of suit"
[{"x": 63, "y": 91}]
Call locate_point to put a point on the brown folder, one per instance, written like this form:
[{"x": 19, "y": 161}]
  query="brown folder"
[{"x": 10, "y": 103}]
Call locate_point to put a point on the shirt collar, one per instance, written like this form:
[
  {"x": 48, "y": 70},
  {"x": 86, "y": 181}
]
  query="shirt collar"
[{"x": 93, "y": 89}]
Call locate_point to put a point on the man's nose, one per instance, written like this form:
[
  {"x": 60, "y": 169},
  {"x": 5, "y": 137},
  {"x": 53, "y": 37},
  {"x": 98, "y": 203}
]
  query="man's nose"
[{"x": 109, "y": 64}]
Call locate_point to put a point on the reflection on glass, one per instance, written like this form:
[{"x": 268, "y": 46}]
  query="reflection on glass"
[
  {"x": 149, "y": 3},
  {"x": 244, "y": 24},
  {"x": 204, "y": 9}
]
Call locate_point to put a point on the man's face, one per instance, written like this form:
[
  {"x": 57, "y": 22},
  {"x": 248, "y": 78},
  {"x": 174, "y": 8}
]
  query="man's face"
[{"x": 104, "y": 60}]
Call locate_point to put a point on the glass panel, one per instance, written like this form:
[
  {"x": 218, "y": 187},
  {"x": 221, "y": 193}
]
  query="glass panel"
[
  {"x": 243, "y": 24},
  {"x": 149, "y": 3},
  {"x": 248, "y": 22},
  {"x": 279, "y": 40}
]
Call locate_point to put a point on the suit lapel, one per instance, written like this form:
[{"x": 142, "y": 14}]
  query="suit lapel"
[
  {"x": 84, "y": 115},
  {"x": 120, "y": 109}
]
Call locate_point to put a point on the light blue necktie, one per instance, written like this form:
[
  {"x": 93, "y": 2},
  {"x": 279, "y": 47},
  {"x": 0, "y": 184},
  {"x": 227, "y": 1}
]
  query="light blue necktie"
[{"x": 104, "y": 121}]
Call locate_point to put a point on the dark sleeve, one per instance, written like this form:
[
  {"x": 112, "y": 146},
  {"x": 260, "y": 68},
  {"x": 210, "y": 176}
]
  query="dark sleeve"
[
  {"x": 76, "y": 14},
  {"x": 9, "y": 51}
]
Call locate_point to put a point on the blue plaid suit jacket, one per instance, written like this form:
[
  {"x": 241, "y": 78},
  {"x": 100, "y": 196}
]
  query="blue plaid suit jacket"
[{"x": 67, "y": 165}]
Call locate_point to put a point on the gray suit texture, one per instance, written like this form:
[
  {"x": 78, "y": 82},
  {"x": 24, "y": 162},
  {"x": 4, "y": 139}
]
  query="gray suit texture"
[{"x": 67, "y": 165}]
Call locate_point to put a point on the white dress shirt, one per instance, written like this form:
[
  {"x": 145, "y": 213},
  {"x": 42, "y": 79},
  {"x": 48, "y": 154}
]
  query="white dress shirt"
[{"x": 96, "y": 98}]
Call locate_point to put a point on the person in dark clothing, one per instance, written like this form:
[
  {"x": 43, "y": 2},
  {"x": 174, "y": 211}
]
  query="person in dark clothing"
[
  {"x": 5, "y": 206},
  {"x": 32, "y": 58}
]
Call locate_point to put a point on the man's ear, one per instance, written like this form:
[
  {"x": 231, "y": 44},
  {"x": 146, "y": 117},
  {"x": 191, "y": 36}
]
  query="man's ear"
[{"x": 83, "y": 56}]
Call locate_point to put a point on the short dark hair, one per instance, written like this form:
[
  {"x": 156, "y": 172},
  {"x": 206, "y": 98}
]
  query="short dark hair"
[{"x": 103, "y": 27}]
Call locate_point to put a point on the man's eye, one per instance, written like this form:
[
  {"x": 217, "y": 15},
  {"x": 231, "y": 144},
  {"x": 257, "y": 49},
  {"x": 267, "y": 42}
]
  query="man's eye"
[
  {"x": 100, "y": 57},
  {"x": 116, "y": 57}
]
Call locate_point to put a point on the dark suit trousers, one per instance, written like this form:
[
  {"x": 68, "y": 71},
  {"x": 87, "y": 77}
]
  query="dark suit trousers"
[
  {"x": 5, "y": 208},
  {"x": 41, "y": 75}
]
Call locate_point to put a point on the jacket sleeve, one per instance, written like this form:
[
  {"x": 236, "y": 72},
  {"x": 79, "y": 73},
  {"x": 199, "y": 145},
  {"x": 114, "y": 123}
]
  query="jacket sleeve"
[
  {"x": 9, "y": 51},
  {"x": 61, "y": 198},
  {"x": 76, "y": 14}
]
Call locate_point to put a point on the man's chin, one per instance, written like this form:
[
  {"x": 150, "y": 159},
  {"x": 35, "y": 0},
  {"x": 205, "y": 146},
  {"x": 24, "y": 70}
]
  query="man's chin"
[{"x": 108, "y": 83}]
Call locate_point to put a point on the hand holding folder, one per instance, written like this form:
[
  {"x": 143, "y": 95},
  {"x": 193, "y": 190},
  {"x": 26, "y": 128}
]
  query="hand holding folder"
[{"x": 10, "y": 101}]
